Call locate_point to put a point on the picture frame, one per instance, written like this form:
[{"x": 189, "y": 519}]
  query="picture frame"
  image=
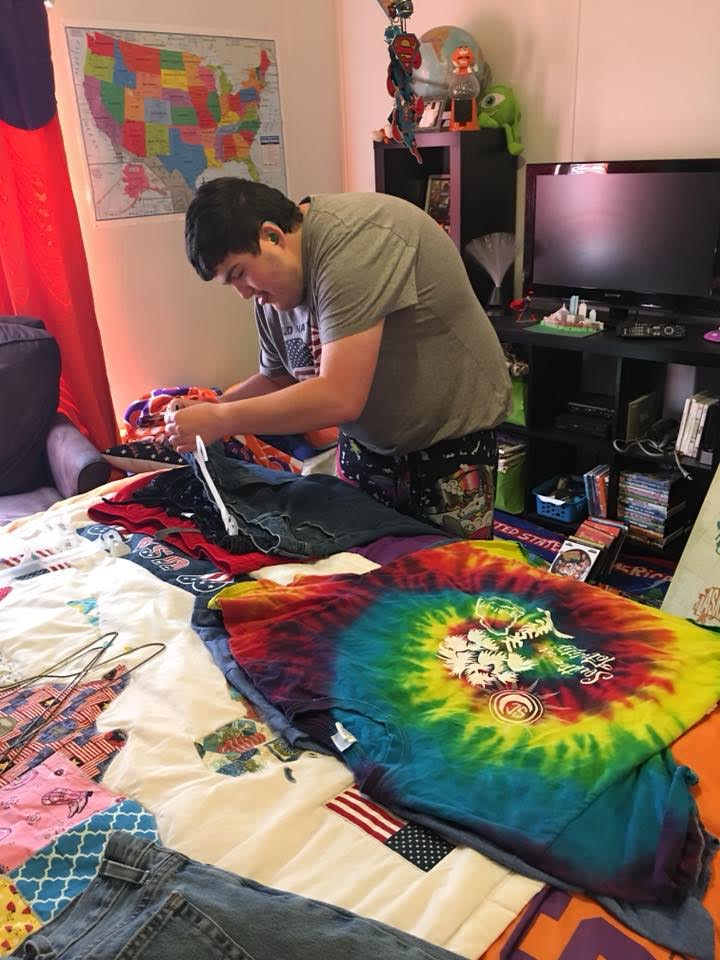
[
  {"x": 437, "y": 198},
  {"x": 432, "y": 115}
]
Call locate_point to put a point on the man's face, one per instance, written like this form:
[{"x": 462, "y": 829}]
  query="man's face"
[{"x": 274, "y": 276}]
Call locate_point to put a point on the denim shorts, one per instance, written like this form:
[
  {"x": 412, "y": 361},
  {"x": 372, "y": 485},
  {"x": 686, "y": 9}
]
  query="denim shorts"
[{"x": 153, "y": 903}]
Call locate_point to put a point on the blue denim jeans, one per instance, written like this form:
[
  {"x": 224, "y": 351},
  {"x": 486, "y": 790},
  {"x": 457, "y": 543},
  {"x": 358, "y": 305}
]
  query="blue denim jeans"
[
  {"x": 311, "y": 516},
  {"x": 150, "y": 903}
]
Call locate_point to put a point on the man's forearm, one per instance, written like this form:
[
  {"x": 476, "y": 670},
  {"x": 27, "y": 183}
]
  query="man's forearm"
[
  {"x": 258, "y": 385},
  {"x": 309, "y": 405}
]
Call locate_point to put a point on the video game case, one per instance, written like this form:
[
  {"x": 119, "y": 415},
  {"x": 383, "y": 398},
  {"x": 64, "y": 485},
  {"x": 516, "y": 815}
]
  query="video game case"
[
  {"x": 621, "y": 530},
  {"x": 608, "y": 535},
  {"x": 575, "y": 560}
]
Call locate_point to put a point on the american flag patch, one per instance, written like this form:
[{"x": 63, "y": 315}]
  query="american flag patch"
[
  {"x": 41, "y": 556},
  {"x": 304, "y": 358},
  {"x": 420, "y": 846}
]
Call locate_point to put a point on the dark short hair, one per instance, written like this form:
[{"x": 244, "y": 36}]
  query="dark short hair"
[{"x": 225, "y": 216}]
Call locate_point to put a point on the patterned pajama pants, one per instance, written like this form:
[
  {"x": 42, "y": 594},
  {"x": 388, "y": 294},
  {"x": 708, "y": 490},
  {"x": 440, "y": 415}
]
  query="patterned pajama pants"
[{"x": 450, "y": 484}]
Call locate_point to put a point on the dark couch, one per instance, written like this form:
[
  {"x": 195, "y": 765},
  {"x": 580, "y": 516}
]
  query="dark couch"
[{"x": 43, "y": 457}]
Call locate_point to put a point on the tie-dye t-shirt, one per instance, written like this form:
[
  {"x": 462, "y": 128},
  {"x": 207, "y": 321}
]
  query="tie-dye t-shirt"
[{"x": 528, "y": 709}]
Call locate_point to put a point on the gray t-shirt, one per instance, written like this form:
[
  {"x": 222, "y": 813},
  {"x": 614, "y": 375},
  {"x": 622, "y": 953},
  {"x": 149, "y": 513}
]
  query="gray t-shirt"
[{"x": 441, "y": 371}]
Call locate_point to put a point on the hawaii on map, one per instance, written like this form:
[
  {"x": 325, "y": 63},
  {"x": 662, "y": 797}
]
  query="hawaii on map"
[{"x": 162, "y": 112}]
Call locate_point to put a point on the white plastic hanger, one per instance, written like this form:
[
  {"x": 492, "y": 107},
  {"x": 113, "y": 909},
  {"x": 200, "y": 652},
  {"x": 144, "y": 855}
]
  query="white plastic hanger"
[{"x": 200, "y": 454}]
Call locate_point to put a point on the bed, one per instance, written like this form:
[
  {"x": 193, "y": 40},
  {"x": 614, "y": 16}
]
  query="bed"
[{"x": 176, "y": 751}]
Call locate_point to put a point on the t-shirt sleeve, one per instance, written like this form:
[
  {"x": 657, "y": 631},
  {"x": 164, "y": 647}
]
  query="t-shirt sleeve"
[
  {"x": 361, "y": 276},
  {"x": 270, "y": 362}
]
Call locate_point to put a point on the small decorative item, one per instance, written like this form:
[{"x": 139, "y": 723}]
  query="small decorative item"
[
  {"x": 499, "y": 109},
  {"x": 464, "y": 90},
  {"x": 437, "y": 199},
  {"x": 495, "y": 252},
  {"x": 405, "y": 57},
  {"x": 566, "y": 322},
  {"x": 432, "y": 115}
]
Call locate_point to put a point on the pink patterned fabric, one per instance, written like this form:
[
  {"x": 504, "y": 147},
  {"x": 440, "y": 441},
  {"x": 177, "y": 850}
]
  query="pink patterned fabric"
[{"x": 44, "y": 802}]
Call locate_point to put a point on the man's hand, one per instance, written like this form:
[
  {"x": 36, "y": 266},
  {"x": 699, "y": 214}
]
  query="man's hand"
[{"x": 183, "y": 425}]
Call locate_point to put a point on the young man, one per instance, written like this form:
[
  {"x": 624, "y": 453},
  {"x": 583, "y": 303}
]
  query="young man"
[{"x": 366, "y": 319}]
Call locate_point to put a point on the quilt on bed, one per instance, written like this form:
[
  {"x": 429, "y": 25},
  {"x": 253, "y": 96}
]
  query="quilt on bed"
[
  {"x": 195, "y": 752},
  {"x": 221, "y": 785}
]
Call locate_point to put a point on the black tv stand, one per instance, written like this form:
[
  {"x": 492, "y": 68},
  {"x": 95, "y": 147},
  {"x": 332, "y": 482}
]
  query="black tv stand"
[
  {"x": 616, "y": 316},
  {"x": 565, "y": 367}
]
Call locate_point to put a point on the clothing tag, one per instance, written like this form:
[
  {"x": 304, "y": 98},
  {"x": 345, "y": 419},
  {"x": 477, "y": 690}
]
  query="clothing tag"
[
  {"x": 114, "y": 544},
  {"x": 343, "y": 738}
]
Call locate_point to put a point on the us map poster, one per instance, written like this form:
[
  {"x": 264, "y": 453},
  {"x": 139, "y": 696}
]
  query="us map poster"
[
  {"x": 694, "y": 591},
  {"x": 162, "y": 112}
]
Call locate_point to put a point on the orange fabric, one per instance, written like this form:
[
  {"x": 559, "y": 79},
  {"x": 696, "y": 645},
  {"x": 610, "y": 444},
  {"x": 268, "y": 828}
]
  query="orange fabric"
[
  {"x": 265, "y": 455},
  {"x": 580, "y": 919},
  {"x": 145, "y": 417},
  {"x": 323, "y": 438}
]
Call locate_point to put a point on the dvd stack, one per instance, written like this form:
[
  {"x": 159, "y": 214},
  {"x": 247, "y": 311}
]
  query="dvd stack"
[
  {"x": 596, "y": 483},
  {"x": 589, "y": 554},
  {"x": 653, "y": 506},
  {"x": 510, "y": 487}
]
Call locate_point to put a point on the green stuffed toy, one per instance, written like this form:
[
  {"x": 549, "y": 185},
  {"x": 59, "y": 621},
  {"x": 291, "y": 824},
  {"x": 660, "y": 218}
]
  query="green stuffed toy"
[{"x": 499, "y": 108}]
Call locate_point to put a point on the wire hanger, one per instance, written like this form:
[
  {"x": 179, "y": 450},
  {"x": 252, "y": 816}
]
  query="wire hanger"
[{"x": 17, "y": 745}]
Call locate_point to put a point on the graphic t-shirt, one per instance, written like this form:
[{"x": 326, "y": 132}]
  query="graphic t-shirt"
[
  {"x": 368, "y": 257},
  {"x": 528, "y": 709}
]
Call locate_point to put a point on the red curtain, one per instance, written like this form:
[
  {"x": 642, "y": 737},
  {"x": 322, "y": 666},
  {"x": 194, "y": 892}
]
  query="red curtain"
[{"x": 43, "y": 269}]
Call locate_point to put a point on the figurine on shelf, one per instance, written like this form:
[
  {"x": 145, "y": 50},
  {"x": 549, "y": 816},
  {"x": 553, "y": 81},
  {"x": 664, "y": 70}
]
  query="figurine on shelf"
[
  {"x": 464, "y": 90},
  {"x": 499, "y": 109}
]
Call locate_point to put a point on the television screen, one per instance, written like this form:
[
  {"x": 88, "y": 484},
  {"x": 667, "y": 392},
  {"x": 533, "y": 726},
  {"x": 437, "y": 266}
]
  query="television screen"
[{"x": 628, "y": 233}]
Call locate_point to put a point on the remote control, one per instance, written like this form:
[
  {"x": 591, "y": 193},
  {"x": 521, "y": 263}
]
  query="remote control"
[{"x": 641, "y": 328}]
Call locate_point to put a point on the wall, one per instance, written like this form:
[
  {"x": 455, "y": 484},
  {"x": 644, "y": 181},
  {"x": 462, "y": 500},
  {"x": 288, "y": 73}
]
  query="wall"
[
  {"x": 596, "y": 79},
  {"x": 160, "y": 324}
]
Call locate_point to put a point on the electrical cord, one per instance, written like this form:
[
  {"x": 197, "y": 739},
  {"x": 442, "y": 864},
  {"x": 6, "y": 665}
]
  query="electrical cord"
[{"x": 650, "y": 448}]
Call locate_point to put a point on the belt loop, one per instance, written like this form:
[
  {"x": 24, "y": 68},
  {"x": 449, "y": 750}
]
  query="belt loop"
[{"x": 123, "y": 871}]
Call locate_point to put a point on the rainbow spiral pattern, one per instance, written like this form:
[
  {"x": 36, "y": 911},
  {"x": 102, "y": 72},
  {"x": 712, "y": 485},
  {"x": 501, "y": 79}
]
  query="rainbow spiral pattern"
[{"x": 530, "y": 711}]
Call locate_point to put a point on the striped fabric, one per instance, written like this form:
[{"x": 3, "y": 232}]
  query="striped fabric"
[
  {"x": 422, "y": 847},
  {"x": 71, "y": 731}
]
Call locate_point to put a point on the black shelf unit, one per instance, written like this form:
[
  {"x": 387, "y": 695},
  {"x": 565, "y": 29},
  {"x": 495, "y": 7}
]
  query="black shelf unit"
[
  {"x": 483, "y": 186},
  {"x": 560, "y": 366}
]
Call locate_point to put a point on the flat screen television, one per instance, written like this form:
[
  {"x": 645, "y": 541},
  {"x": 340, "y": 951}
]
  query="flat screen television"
[{"x": 625, "y": 235}]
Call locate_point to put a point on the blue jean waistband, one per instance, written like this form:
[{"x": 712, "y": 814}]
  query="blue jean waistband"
[{"x": 148, "y": 901}]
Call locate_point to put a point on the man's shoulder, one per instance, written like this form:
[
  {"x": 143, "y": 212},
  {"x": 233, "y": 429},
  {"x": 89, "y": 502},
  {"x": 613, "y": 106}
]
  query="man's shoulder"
[{"x": 349, "y": 208}]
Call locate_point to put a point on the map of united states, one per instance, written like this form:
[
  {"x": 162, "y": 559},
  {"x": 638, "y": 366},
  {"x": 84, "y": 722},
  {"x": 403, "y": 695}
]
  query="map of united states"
[{"x": 171, "y": 115}]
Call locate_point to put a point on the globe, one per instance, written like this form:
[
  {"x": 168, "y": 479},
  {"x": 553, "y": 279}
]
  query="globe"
[{"x": 432, "y": 78}]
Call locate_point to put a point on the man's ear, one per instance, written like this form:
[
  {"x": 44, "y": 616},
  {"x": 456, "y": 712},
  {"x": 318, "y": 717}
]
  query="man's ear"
[{"x": 271, "y": 232}]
